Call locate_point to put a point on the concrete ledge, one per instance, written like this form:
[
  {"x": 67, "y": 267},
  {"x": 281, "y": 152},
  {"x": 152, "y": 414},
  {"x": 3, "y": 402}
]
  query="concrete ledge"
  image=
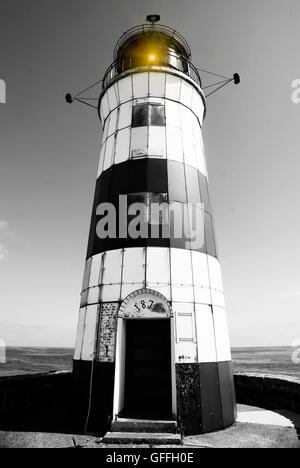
[{"x": 148, "y": 438}]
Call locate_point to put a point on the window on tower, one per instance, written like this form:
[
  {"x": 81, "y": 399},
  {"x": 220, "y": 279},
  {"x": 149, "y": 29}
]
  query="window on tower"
[
  {"x": 148, "y": 114},
  {"x": 154, "y": 206}
]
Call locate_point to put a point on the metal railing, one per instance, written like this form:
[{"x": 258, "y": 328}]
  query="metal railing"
[{"x": 171, "y": 60}]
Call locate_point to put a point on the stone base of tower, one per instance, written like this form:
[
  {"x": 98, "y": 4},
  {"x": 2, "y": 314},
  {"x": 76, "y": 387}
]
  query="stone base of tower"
[{"x": 205, "y": 397}]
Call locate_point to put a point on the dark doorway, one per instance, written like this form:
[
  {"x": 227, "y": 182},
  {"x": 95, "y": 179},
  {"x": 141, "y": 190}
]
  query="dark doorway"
[{"x": 148, "y": 391}]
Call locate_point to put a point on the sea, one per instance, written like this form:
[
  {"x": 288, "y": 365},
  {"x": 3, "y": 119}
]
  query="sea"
[{"x": 264, "y": 360}]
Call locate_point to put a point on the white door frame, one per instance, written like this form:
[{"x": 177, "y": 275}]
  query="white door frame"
[{"x": 119, "y": 383}]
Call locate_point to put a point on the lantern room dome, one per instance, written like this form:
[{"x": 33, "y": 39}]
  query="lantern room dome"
[
  {"x": 152, "y": 45},
  {"x": 146, "y": 39}
]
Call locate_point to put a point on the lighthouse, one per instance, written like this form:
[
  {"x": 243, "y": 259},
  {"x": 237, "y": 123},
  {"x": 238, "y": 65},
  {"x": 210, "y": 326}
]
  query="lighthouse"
[{"x": 152, "y": 341}]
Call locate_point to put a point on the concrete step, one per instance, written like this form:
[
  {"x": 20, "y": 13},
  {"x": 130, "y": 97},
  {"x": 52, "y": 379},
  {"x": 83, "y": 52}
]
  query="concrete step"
[
  {"x": 143, "y": 425},
  {"x": 147, "y": 438}
]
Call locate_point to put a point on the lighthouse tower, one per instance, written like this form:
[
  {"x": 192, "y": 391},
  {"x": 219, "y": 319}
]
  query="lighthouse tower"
[{"x": 152, "y": 339}]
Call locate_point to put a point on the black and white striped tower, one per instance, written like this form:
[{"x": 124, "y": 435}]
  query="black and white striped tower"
[{"x": 152, "y": 339}]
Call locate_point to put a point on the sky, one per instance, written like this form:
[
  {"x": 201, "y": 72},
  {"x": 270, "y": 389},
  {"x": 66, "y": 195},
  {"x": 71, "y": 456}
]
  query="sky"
[{"x": 49, "y": 155}]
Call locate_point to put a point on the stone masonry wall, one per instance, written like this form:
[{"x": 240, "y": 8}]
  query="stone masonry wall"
[{"x": 108, "y": 330}]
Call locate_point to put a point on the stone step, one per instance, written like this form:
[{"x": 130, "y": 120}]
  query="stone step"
[
  {"x": 147, "y": 438},
  {"x": 143, "y": 425}
]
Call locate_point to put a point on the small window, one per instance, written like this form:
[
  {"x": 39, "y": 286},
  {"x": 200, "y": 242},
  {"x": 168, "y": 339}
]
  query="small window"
[
  {"x": 157, "y": 115},
  {"x": 148, "y": 114},
  {"x": 155, "y": 206}
]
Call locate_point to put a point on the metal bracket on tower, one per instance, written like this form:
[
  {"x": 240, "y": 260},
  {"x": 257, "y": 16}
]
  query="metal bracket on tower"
[
  {"x": 83, "y": 99},
  {"x": 219, "y": 84}
]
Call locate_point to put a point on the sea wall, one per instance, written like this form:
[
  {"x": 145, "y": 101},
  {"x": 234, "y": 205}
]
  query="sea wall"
[
  {"x": 268, "y": 391},
  {"x": 38, "y": 403},
  {"x": 51, "y": 403}
]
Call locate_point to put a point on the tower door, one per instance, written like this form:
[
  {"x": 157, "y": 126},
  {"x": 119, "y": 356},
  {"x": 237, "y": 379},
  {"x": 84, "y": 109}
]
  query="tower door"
[{"x": 148, "y": 393}]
